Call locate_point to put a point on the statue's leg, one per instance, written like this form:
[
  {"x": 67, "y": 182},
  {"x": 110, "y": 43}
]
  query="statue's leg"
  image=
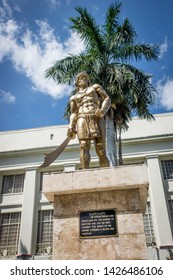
[
  {"x": 101, "y": 152},
  {"x": 84, "y": 153}
]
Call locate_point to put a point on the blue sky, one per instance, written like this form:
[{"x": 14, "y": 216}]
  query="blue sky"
[{"x": 36, "y": 33}]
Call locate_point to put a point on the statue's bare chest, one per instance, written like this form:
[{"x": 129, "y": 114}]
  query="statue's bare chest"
[{"x": 85, "y": 96}]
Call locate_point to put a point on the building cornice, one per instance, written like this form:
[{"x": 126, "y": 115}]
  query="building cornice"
[{"x": 75, "y": 147}]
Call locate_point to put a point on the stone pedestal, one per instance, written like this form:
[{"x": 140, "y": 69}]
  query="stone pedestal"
[{"x": 122, "y": 188}]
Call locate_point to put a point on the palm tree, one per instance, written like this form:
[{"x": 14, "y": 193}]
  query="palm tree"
[{"x": 109, "y": 48}]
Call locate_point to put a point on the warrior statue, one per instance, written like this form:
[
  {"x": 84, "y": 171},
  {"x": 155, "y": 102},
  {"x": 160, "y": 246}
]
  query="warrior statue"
[{"x": 88, "y": 107}]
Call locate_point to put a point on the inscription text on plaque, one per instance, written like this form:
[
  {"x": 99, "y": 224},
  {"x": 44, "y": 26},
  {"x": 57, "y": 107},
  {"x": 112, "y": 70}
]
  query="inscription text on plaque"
[{"x": 97, "y": 223}]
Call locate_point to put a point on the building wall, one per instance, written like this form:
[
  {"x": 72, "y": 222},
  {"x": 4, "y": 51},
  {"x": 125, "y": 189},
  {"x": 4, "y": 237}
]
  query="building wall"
[{"x": 23, "y": 151}]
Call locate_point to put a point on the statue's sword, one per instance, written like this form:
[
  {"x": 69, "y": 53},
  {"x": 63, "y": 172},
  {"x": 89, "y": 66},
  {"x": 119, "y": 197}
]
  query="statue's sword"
[{"x": 49, "y": 158}]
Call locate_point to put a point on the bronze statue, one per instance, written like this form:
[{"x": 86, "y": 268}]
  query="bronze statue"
[{"x": 88, "y": 107}]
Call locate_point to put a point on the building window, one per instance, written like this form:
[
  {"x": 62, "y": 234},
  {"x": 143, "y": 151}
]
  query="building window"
[
  {"x": 167, "y": 168},
  {"x": 13, "y": 183},
  {"x": 44, "y": 232},
  {"x": 148, "y": 226},
  {"x": 9, "y": 233}
]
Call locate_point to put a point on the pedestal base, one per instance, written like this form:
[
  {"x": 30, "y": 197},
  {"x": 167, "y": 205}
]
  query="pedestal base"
[{"x": 92, "y": 190}]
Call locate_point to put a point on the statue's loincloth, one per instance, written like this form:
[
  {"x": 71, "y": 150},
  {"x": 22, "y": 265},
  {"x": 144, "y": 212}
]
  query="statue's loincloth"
[{"x": 87, "y": 126}]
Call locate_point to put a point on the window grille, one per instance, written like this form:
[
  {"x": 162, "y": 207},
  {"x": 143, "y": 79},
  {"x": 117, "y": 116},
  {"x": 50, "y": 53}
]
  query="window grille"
[
  {"x": 44, "y": 232},
  {"x": 9, "y": 233},
  {"x": 167, "y": 168},
  {"x": 148, "y": 226},
  {"x": 13, "y": 183}
]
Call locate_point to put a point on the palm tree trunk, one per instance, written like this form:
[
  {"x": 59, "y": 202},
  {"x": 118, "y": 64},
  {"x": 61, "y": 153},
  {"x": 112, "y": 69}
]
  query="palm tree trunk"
[{"x": 111, "y": 149}]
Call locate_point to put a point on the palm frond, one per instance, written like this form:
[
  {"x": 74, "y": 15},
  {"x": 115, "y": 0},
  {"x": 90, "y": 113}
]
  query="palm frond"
[
  {"x": 111, "y": 21},
  {"x": 64, "y": 70},
  {"x": 125, "y": 33},
  {"x": 119, "y": 81},
  {"x": 87, "y": 29},
  {"x": 149, "y": 52},
  {"x": 123, "y": 36}
]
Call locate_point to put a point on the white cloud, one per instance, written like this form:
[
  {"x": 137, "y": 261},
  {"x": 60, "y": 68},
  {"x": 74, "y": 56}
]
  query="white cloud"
[
  {"x": 32, "y": 53},
  {"x": 6, "y": 97},
  {"x": 73, "y": 45},
  {"x": 163, "y": 48},
  {"x": 53, "y": 4},
  {"x": 95, "y": 7},
  {"x": 68, "y": 2},
  {"x": 5, "y": 10},
  {"x": 165, "y": 91},
  {"x": 16, "y": 7}
]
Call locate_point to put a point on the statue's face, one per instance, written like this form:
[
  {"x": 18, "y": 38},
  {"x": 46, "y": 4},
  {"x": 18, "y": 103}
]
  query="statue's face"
[{"x": 82, "y": 80}]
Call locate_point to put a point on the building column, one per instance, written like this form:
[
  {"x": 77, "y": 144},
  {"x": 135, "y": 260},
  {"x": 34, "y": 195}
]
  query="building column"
[
  {"x": 158, "y": 199},
  {"x": 28, "y": 213}
]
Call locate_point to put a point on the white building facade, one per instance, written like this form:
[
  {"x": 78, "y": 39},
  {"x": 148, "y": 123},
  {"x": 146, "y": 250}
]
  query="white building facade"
[{"x": 26, "y": 217}]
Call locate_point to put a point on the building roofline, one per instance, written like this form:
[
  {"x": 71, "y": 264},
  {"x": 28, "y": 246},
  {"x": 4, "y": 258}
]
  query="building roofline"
[
  {"x": 33, "y": 129},
  {"x": 65, "y": 125}
]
